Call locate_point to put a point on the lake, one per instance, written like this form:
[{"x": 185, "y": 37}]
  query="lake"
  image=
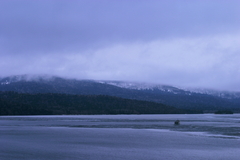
[{"x": 118, "y": 137}]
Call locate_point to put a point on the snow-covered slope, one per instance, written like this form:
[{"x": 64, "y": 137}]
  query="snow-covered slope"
[{"x": 172, "y": 89}]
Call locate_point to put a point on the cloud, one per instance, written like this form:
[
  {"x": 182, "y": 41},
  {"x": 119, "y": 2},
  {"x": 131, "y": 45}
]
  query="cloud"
[
  {"x": 207, "y": 61},
  {"x": 196, "y": 62},
  {"x": 31, "y": 27},
  {"x": 185, "y": 43}
]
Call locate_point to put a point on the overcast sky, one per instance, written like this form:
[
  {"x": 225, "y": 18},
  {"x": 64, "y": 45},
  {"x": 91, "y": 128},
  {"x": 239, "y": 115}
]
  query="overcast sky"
[{"x": 189, "y": 43}]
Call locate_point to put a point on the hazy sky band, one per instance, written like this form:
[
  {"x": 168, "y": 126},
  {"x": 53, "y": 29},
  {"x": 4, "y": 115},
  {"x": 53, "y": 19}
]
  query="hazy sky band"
[{"x": 178, "y": 42}]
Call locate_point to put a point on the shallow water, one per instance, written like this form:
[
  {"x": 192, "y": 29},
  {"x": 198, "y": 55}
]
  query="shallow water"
[{"x": 203, "y": 136}]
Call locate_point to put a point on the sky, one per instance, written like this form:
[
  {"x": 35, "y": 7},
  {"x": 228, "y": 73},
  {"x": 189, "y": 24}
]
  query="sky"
[{"x": 188, "y": 43}]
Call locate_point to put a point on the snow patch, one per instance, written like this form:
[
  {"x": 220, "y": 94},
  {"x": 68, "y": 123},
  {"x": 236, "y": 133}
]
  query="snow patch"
[{"x": 5, "y": 83}]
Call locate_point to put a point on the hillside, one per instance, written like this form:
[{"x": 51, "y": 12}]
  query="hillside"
[
  {"x": 12, "y": 103},
  {"x": 168, "y": 95}
]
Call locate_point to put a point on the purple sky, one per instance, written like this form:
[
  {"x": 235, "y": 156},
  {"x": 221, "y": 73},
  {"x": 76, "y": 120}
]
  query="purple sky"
[{"x": 189, "y": 43}]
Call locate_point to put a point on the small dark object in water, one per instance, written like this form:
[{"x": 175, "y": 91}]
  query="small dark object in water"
[{"x": 177, "y": 122}]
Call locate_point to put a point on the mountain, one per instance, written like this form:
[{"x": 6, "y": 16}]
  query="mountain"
[
  {"x": 172, "y": 89},
  {"x": 208, "y": 100},
  {"x": 188, "y": 98}
]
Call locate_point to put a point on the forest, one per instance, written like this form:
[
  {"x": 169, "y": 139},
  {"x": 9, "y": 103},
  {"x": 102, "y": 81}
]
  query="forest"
[{"x": 12, "y": 103}]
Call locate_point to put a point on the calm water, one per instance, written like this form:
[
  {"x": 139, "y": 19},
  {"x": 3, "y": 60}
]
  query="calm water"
[{"x": 110, "y": 137}]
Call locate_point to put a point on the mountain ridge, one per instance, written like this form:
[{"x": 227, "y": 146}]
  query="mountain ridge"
[
  {"x": 125, "y": 84},
  {"x": 167, "y": 95}
]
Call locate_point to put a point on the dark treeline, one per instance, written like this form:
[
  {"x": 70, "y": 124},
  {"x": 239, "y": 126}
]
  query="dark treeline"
[
  {"x": 182, "y": 99},
  {"x": 12, "y": 103},
  {"x": 224, "y": 112}
]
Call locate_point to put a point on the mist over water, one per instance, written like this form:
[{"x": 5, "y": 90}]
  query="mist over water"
[{"x": 206, "y": 136}]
